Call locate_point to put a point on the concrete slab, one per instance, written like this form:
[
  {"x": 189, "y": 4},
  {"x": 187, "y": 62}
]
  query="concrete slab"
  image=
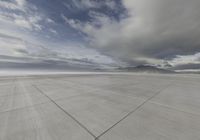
[
  {"x": 136, "y": 86},
  {"x": 5, "y": 81},
  {"x": 23, "y": 96},
  {"x": 155, "y": 122},
  {"x": 185, "y": 97},
  {"x": 41, "y": 122},
  {"x": 6, "y": 90},
  {"x": 102, "y": 81},
  {"x": 99, "y": 111},
  {"x": 60, "y": 90},
  {"x": 106, "y": 106}
]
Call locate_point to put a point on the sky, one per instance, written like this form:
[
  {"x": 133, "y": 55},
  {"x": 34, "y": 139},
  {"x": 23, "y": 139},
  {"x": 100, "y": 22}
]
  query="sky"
[{"x": 93, "y": 34}]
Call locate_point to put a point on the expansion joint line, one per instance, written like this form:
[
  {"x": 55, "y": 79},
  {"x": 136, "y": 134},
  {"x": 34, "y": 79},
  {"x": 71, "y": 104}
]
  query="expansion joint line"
[
  {"x": 97, "y": 138},
  {"x": 68, "y": 114}
]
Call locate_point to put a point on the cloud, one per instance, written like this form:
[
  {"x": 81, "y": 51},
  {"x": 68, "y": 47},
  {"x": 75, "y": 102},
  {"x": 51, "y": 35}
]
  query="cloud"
[
  {"x": 19, "y": 49},
  {"x": 91, "y": 28},
  {"x": 135, "y": 32},
  {"x": 26, "y": 48},
  {"x": 49, "y": 20},
  {"x": 9, "y": 5},
  {"x": 83, "y": 4},
  {"x": 154, "y": 30},
  {"x": 23, "y": 23},
  {"x": 22, "y": 14},
  {"x": 185, "y": 59},
  {"x": 53, "y": 31},
  {"x": 21, "y": 2}
]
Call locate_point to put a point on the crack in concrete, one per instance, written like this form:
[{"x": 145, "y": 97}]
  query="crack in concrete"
[
  {"x": 73, "y": 118},
  {"x": 97, "y": 138}
]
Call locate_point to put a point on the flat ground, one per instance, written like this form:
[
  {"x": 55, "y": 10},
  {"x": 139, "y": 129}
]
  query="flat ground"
[{"x": 103, "y": 107}]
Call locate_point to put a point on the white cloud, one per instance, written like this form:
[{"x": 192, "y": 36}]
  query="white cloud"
[
  {"x": 22, "y": 14},
  {"x": 21, "y": 2},
  {"x": 23, "y": 23},
  {"x": 35, "y": 19},
  {"x": 93, "y": 27},
  {"x": 185, "y": 59},
  {"x": 9, "y": 45},
  {"x": 53, "y": 31},
  {"x": 111, "y": 4},
  {"x": 88, "y": 4},
  {"x": 49, "y": 20},
  {"x": 73, "y": 23},
  {"x": 9, "y": 5},
  {"x": 31, "y": 23},
  {"x": 35, "y": 22},
  {"x": 84, "y": 4}
]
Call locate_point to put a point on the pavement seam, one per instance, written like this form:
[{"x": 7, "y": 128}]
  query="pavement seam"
[
  {"x": 68, "y": 114},
  {"x": 97, "y": 138}
]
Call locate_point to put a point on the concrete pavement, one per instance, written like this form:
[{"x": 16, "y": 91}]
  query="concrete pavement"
[{"x": 103, "y": 107}]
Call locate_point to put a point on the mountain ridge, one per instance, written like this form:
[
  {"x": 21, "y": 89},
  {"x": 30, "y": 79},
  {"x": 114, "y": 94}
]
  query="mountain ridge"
[{"x": 145, "y": 68}]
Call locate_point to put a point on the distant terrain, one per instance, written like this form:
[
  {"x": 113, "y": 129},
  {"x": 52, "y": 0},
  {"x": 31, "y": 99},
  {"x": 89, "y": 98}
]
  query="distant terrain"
[{"x": 145, "y": 68}]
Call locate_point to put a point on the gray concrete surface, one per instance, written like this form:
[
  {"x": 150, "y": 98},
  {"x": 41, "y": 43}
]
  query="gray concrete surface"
[{"x": 103, "y": 107}]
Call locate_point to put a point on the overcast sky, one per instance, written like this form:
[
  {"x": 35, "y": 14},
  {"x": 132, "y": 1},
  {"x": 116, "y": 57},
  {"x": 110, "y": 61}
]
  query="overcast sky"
[{"x": 65, "y": 34}]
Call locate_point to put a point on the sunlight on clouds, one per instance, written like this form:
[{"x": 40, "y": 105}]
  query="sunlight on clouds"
[
  {"x": 186, "y": 59},
  {"x": 23, "y": 23}
]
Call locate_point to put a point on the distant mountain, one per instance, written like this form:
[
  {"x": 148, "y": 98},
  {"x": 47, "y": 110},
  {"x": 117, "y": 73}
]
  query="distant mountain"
[{"x": 145, "y": 68}]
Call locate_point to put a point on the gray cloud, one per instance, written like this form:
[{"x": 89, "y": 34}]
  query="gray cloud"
[
  {"x": 155, "y": 30},
  {"x": 188, "y": 66}
]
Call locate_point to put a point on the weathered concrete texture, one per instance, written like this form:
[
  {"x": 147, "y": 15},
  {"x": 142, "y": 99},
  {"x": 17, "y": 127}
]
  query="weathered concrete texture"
[
  {"x": 40, "y": 122},
  {"x": 104, "y": 107},
  {"x": 99, "y": 112},
  {"x": 21, "y": 95},
  {"x": 184, "y": 97},
  {"x": 155, "y": 122}
]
